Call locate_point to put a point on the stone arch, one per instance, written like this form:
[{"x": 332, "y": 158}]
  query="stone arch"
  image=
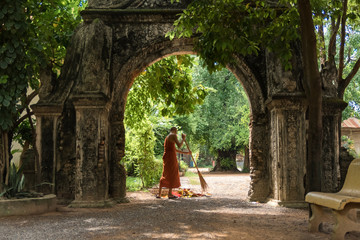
[
  {"x": 83, "y": 113},
  {"x": 154, "y": 52},
  {"x": 151, "y": 54}
]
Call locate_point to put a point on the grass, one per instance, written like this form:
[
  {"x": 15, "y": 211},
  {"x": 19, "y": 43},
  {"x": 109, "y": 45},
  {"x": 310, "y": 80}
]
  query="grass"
[
  {"x": 193, "y": 178},
  {"x": 190, "y": 174},
  {"x": 133, "y": 184}
]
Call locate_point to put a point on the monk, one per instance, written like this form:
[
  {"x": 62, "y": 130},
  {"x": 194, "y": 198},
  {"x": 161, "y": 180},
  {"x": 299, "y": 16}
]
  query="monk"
[{"x": 170, "y": 176}]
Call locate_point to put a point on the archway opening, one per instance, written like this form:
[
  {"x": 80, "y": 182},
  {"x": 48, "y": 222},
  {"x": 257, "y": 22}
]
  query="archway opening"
[{"x": 212, "y": 109}]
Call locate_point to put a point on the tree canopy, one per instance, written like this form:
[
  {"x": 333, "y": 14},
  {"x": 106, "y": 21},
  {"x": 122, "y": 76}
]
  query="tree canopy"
[
  {"x": 225, "y": 27},
  {"x": 219, "y": 127},
  {"x": 34, "y": 37}
]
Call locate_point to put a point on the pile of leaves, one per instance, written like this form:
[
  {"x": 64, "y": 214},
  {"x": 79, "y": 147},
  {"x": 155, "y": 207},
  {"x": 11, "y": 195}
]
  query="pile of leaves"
[
  {"x": 181, "y": 193},
  {"x": 187, "y": 193}
]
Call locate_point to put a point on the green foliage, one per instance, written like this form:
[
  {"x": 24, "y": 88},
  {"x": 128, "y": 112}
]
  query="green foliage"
[
  {"x": 23, "y": 133},
  {"x": 140, "y": 154},
  {"x": 352, "y": 92},
  {"x": 34, "y": 36},
  {"x": 204, "y": 163},
  {"x": 326, "y": 14},
  {"x": 222, "y": 121},
  {"x": 347, "y": 143},
  {"x": 165, "y": 89},
  {"x": 14, "y": 72},
  {"x": 53, "y": 23},
  {"x": 161, "y": 130},
  {"x": 161, "y": 91},
  {"x": 133, "y": 184},
  {"x": 228, "y": 164},
  {"x": 16, "y": 182},
  {"x": 238, "y": 26},
  {"x": 183, "y": 166}
]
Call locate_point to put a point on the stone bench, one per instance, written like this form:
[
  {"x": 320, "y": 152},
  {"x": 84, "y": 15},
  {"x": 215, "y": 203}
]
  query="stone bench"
[{"x": 345, "y": 204}]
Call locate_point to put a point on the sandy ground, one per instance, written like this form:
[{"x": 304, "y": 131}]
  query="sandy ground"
[{"x": 226, "y": 214}]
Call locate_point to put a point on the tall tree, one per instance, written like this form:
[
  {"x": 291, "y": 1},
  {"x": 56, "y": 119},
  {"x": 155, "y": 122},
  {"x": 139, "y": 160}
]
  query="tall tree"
[
  {"x": 14, "y": 73},
  {"x": 221, "y": 123},
  {"x": 313, "y": 90},
  {"x": 34, "y": 36}
]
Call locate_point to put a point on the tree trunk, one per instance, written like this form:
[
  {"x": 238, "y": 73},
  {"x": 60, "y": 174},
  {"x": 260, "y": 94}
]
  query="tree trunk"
[
  {"x": 312, "y": 85},
  {"x": 4, "y": 160},
  {"x": 226, "y": 161}
]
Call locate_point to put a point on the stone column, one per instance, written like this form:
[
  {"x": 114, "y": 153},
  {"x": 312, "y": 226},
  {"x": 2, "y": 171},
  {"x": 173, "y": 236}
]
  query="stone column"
[
  {"x": 92, "y": 169},
  {"x": 258, "y": 154},
  {"x": 46, "y": 145},
  {"x": 332, "y": 109},
  {"x": 117, "y": 171},
  {"x": 288, "y": 150}
]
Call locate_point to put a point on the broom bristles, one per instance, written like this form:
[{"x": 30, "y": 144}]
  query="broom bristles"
[{"x": 203, "y": 183}]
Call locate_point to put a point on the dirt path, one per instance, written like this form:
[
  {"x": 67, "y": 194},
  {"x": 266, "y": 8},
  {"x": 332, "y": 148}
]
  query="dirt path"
[{"x": 224, "y": 215}]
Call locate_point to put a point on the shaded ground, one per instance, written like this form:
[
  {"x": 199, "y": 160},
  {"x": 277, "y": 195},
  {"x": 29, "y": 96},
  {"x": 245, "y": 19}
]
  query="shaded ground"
[{"x": 224, "y": 215}]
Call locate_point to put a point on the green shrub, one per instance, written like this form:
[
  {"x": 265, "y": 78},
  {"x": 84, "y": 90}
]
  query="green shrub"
[
  {"x": 227, "y": 164},
  {"x": 16, "y": 182},
  {"x": 139, "y": 157},
  {"x": 133, "y": 184},
  {"x": 347, "y": 143},
  {"x": 183, "y": 166},
  {"x": 203, "y": 162}
]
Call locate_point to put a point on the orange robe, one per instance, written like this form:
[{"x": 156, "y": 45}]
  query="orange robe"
[{"x": 170, "y": 176}]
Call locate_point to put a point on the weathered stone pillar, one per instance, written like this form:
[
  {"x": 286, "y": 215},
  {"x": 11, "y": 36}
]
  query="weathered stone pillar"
[
  {"x": 332, "y": 109},
  {"x": 258, "y": 152},
  {"x": 92, "y": 169},
  {"x": 46, "y": 134},
  {"x": 288, "y": 150},
  {"x": 117, "y": 186}
]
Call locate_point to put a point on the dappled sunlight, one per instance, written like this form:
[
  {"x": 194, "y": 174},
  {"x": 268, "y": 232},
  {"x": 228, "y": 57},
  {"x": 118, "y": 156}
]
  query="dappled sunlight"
[
  {"x": 224, "y": 215},
  {"x": 204, "y": 235},
  {"x": 232, "y": 210}
]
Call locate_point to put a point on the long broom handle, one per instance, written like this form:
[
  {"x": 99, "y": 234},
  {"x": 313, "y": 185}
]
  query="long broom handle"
[{"x": 187, "y": 145}]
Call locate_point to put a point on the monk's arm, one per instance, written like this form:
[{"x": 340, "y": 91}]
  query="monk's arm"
[
  {"x": 182, "y": 152},
  {"x": 179, "y": 144}
]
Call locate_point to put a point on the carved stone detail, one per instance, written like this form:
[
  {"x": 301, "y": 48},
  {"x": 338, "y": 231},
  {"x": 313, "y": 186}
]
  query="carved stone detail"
[
  {"x": 288, "y": 149},
  {"x": 331, "y": 175}
]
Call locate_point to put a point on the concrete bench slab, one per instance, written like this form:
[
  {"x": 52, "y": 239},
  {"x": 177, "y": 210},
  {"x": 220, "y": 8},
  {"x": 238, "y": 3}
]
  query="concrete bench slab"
[{"x": 345, "y": 204}]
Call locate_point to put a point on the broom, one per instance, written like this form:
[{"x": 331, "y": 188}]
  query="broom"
[{"x": 204, "y": 185}]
